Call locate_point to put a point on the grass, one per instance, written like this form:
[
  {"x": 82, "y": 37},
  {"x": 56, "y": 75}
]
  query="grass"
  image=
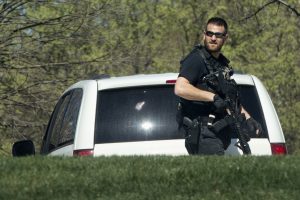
[{"x": 150, "y": 177}]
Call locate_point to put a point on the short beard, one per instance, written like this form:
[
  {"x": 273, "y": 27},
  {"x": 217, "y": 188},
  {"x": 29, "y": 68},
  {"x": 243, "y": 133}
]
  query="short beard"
[{"x": 206, "y": 44}]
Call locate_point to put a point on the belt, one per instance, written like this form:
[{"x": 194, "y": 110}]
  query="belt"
[{"x": 206, "y": 121}]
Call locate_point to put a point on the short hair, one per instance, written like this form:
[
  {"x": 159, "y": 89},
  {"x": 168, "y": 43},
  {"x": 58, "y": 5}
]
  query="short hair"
[{"x": 219, "y": 22}]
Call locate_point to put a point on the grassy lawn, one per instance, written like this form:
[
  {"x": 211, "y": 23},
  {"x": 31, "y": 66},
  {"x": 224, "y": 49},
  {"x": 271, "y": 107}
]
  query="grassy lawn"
[{"x": 150, "y": 177}]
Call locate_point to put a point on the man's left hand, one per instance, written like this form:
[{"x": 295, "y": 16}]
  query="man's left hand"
[{"x": 254, "y": 126}]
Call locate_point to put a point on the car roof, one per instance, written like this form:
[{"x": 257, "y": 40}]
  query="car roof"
[
  {"x": 136, "y": 80},
  {"x": 155, "y": 79},
  {"x": 107, "y": 82}
]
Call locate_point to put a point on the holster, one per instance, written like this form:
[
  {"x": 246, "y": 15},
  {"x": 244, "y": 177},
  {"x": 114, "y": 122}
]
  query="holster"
[{"x": 193, "y": 132}]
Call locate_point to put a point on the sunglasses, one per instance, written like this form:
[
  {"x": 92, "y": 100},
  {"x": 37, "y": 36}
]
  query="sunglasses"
[{"x": 217, "y": 34}]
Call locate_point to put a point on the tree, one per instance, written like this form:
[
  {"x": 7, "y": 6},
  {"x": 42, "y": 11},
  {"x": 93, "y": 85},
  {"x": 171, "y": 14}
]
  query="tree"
[{"x": 45, "y": 46}]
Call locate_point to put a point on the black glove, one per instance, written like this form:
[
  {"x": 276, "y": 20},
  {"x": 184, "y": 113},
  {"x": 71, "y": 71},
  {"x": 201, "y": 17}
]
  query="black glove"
[
  {"x": 219, "y": 103},
  {"x": 254, "y": 126}
]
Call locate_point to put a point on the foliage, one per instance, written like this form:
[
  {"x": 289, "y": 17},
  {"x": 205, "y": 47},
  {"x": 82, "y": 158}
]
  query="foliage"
[{"x": 45, "y": 46}]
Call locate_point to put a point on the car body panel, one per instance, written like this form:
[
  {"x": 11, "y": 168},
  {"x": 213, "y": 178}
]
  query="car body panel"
[
  {"x": 135, "y": 80},
  {"x": 63, "y": 151},
  {"x": 158, "y": 147},
  {"x": 154, "y": 79},
  {"x": 272, "y": 120},
  {"x": 258, "y": 146}
]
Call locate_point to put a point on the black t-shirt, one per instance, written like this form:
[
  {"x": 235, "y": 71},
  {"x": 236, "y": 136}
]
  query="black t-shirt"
[{"x": 194, "y": 68}]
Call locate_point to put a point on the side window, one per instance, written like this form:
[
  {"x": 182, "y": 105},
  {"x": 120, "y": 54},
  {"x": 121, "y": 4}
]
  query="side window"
[
  {"x": 251, "y": 102},
  {"x": 69, "y": 123},
  {"x": 57, "y": 121},
  {"x": 63, "y": 123}
]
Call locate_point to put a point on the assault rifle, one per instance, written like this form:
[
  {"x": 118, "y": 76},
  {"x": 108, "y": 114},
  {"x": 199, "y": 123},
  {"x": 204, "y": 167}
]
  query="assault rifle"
[{"x": 227, "y": 89}]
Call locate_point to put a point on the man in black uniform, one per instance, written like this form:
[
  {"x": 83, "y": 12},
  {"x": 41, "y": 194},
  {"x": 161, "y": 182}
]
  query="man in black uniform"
[{"x": 198, "y": 101}]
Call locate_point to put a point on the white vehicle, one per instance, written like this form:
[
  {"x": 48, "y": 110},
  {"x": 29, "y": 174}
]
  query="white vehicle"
[{"x": 136, "y": 115}]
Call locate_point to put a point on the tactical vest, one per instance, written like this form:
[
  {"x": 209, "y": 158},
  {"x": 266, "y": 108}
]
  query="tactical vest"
[
  {"x": 193, "y": 109},
  {"x": 213, "y": 66}
]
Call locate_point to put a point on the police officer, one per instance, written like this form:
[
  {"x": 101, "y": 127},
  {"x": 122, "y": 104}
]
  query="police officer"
[{"x": 197, "y": 100}]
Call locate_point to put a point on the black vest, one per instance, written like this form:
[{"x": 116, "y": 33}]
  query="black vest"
[
  {"x": 194, "y": 109},
  {"x": 214, "y": 65}
]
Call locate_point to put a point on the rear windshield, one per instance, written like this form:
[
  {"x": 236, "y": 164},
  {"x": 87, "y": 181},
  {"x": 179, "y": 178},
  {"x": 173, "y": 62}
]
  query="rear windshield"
[
  {"x": 137, "y": 114},
  {"x": 148, "y": 113},
  {"x": 250, "y": 101}
]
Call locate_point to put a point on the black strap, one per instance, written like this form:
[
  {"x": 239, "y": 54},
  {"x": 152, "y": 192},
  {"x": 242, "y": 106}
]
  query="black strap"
[
  {"x": 211, "y": 63},
  {"x": 206, "y": 57},
  {"x": 222, "y": 123}
]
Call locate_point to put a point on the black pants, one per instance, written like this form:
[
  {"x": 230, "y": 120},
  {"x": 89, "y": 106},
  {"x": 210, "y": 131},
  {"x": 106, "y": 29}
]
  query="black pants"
[
  {"x": 205, "y": 142},
  {"x": 209, "y": 143}
]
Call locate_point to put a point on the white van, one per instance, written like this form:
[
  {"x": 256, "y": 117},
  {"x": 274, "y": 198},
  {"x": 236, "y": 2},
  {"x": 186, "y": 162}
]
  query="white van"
[{"x": 136, "y": 115}]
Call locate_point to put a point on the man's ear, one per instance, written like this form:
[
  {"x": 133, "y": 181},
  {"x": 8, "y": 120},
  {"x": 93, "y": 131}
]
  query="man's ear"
[
  {"x": 203, "y": 36},
  {"x": 226, "y": 37}
]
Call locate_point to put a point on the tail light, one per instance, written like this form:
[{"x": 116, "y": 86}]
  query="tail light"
[
  {"x": 171, "y": 81},
  {"x": 278, "y": 149},
  {"x": 83, "y": 152}
]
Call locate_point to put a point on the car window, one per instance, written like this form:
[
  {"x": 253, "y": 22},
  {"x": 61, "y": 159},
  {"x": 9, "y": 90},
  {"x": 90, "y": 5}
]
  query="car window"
[
  {"x": 69, "y": 123},
  {"x": 250, "y": 101},
  {"x": 149, "y": 113},
  {"x": 62, "y": 126},
  {"x": 136, "y": 114}
]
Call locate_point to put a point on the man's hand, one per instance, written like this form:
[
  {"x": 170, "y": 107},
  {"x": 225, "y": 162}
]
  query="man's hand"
[
  {"x": 254, "y": 126},
  {"x": 219, "y": 103}
]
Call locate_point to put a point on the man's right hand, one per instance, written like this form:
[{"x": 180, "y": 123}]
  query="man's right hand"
[{"x": 219, "y": 103}]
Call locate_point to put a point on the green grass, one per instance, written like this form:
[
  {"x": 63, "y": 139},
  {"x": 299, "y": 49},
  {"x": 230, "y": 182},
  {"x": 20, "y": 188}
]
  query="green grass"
[{"x": 150, "y": 177}]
